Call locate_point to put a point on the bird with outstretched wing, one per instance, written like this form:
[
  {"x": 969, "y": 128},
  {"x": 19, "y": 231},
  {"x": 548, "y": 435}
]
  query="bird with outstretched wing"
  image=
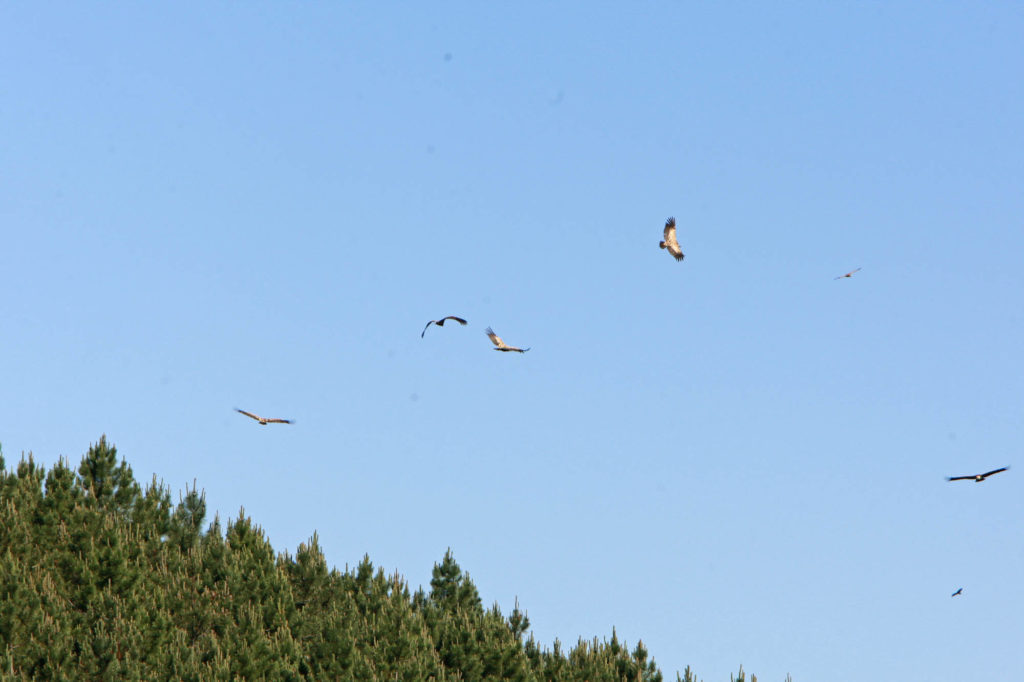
[
  {"x": 440, "y": 323},
  {"x": 958, "y": 592},
  {"x": 264, "y": 420},
  {"x": 848, "y": 275},
  {"x": 977, "y": 478},
  {"x": 669, "y": 240},
  {"x": 501, "y": 345}
]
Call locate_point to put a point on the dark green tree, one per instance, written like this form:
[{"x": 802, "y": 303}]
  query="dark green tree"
[
  {"x": 108, "y": 484},
  {"x": 452, "y": 591}
]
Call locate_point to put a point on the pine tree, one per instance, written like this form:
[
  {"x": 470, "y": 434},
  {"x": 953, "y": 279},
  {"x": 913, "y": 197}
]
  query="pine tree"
[
  {"x": 108, "y": 484},
  {"x": 450, "y": 590},
  {"x": 187, "y": 522},
  {"x": 518, "y": 622}
]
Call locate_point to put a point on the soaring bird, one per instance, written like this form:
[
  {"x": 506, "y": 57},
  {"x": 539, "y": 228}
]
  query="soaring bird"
[
  {"x": 440, "y": 323},
  {"x": 960, "y": 591},
  {"x": 849, "y": 274},
  {"x": 670, "y": 242},
  {"x": 264, "y": 420},
  {"x": 501, "y": 345},
  {"x": 977, "y": 478}
]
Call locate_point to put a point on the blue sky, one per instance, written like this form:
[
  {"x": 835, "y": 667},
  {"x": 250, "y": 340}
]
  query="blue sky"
[{"x": 736, "y": 458}]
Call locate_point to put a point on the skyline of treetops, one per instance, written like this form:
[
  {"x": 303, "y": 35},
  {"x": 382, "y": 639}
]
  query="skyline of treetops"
[{"x": 104, "y": 577}]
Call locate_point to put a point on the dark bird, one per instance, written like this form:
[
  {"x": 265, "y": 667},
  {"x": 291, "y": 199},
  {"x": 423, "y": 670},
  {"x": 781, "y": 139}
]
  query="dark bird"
[
  {"x": 263, "y": 420},
  {"x": 669, "y": 240},
  {"x": 977, "y": 478},
  {"x": 501, "y": 345},
  {"x": 440, "y": 323},
  {"x": 849, "y": 274},
  {"x": 958, "y": 592}
]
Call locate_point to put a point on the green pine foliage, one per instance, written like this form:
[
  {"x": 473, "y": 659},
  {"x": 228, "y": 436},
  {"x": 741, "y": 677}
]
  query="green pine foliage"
[{"x": 103, "y": 579}]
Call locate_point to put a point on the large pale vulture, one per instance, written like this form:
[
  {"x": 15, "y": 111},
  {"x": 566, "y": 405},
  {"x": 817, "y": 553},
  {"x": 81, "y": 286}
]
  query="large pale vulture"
[
  {"x": 669, "y": 241},
  {"x": 501, "y": 345},
  {"x": 440, "y": 323},
  {"x": 263, "y": 420}
]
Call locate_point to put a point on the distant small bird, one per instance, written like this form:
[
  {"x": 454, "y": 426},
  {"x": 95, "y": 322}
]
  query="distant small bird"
[
  {"x": 977, "y": 478},
  {"x": 501, "y": 345},
  {"x": 440, "y": 323},
  {"x": 669, "y": 242},
  {"x": 849, "y": 274},
  {"x": 958, "y": 592},
  {"x": 264, "y": 420}
]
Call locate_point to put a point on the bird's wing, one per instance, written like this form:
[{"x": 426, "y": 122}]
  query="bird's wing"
[
  {"x": 279, "y": 421},
  {"x": 457, "y": 319},
  {"x": 425, "y": 328},
  {"x": 248, "y": 414},
  {"x": 495, "y": 339},
  {"x": 959, "y": 478},
  {"x": 994, "y": 471}
]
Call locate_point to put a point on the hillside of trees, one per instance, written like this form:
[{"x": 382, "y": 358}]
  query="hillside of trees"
[{"x": 101, "y": 578}]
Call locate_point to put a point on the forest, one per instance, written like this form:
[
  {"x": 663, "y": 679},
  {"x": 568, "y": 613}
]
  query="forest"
[{"x": 102, "y": 578}]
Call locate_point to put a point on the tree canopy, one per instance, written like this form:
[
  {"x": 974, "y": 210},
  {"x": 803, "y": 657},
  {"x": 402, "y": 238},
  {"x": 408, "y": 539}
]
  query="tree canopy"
[{"x": 102, "y": 578}]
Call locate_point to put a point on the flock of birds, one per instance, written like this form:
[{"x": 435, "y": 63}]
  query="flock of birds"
[{"x": 670, "y": 244}]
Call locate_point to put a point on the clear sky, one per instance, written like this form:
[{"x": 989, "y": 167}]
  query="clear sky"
[{"x": 736, "y": 458}]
